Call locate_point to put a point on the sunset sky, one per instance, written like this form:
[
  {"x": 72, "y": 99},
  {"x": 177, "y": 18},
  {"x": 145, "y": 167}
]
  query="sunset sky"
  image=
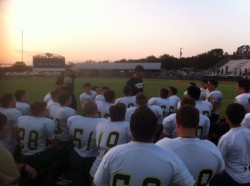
[{"x": 111, "y": 30}]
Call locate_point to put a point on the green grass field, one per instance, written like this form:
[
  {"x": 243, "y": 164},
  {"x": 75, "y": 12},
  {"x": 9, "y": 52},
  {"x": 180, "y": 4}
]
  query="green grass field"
[{"x": 39, "y": 87}]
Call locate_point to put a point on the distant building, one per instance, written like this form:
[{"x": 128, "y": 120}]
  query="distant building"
[
  {"x": 116, "y": 69},
  {"x": 48, "y": 62}
]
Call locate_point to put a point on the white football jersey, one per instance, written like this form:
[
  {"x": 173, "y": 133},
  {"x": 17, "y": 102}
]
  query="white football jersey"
[
  {"x": 84, "y": 97},
  {"x": 246, "y": 121},
  {"x": 155, "y": 109},
  {"x": 12, "y": 115},
  {"x": 215, "y": 96},
  {"x": 34, "y": 133},
  {"x": 167, "y": 105},
  {"x": 243, "y": 100},
  {"x": 203, "y": 93},
  {"x": 24, "y": 108},
  {"x": 234, "y": 146},
  {"x": 53, "y": 108},
  {"x": 103, "y": 108},
  {"x": 99, "y": 98},
  {"x": 128, "y": 101},
  {"x": 83, "y": 132},
  {"x": 47, "y": 98},
  {"x": 202, "y": 158},
  {"x": 169, "y": 126},
  {"x": 142, "y": 164},
  {"x": 176, "y": 100},
  {"x": 108, "y": 135},
  {"x": 60, "y": 117},
  {"x": 204, "y": 107}
]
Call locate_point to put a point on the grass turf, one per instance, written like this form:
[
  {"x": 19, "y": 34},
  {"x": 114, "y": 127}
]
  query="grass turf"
[{"x": 38, "y": 87}]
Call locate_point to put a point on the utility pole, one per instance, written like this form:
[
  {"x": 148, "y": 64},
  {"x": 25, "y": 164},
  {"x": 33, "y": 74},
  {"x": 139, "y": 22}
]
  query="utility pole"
[
  {"x": 22, "y": 46},
  {"x": 180, "y": 52}
]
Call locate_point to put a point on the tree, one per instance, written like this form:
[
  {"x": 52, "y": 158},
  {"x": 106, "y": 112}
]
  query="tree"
[{"x": 243, "y": 50}]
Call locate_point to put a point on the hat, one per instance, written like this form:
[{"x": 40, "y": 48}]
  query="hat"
[
  {"x": 139, "y": 68},
  {"x": 67, "y": 80}
]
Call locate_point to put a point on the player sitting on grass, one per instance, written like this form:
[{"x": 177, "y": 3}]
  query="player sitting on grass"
[
  {"x": 83, "y": 133},
  {"x": 8, "y": 103},
  {"x": 127, "y": 100},
  {"x": 88, "y": 94},
  {"x": 234, "y": 147},
  {"x": 169, "y": 123},
  {"x": 202, "y": 158},
  {"x": 141, "y": 162},
  {"x": 37, "y": 134},
  {"x": 103, "y": 106},
  {"x": 109, "y": 134},
  {"x": 22, "y": 100}
]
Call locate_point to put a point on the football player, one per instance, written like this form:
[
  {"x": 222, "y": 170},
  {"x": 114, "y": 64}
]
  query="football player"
[
  {"x": 112, "y": 133},
  {"x": 242, "y": 89},
  {"x": 202, "y": 158},
  {"x": 103, "y": 106},
  {"x": 83, "y": 132},
  {"x": 127, "y": 100},
  {"x": 22, "y": 100},
  {"x": 88, "y": 94},
  {"x": 141, "y": 162}
]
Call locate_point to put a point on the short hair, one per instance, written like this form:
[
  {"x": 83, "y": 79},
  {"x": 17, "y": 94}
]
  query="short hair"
[
  {"x": 104, "y": 88},
  {"x": 127, "y": 90},
  {"x": 141, "y": 99},
  {"x": 204, "y": 81},
  {"x": 187, "y": 100},
  {"x": 143, "y": 124},
  {"x": 235, "y": 112},
  {"x": 244, "y": 83},
  {"x": 89, "y": 108},
  {"x": 37, "y": 108},
  {"x": 19, "y": 94},
  {"x": 117, "y": 112},
  {"x": 188, "y": 117},
  {"x": 139, "y": 68},
  {"x": 63, "y": 97},
  {"x": 109, "y": 96},
  {"x": 6, "y": 99},
  {"x": 173, "y": 90},
  {"x": 194, "y": 92},
  {"x": 213, "y": 82},
  {"x": 164, "y": 93},
  {"x": 192, "y": 84},
  {"x": 86, "y": 85},
  {"x": 3, "y": 120}
]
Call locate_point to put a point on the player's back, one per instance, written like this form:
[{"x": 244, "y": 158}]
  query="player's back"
[
  {"x": 144, "y": 164},
  {"x": 167, "y": 105},
  {"x": 53, "y": 108},
  {"x": 216, "y": 96},
  {"x": 34, "y": 133},
  {"x": 176, "y": 99},
  {"x": 60, "y": 117},
  {"x": 12, "y": 115},
  {"x": 83, "y": 132},
  {"x": 110, "y": 134},
  {"x": 202, "y": 157},
  {"x": 128, "y": 101},
  {"x": 204, "y": 107},
  {"x": 246, "y": 121},
  {"x": 24, "y": 108}
]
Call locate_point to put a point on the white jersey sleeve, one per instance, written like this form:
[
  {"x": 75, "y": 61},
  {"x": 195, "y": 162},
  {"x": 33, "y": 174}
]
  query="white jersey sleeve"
[
  {"x": 47, "y": 98},
  {"x": 169, "y": 126},
  {"x": 243, "y": 100},
  {"x": 203, "y": 128},
  {"x": 103, "y": 108},
  {"x": 158, "y": 113},
  {"x": 129, "y": 113},
  {"x": 128, "y": 101},
  {"x": 204, "y": 107},
  {"x": 246, "y": 121},
  {"x": 84, "y": 97},
  {"x": 215, "y": 96}
]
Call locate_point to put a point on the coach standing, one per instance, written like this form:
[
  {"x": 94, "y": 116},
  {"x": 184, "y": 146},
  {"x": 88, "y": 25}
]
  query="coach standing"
[{"x": 136, "y": 81}]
